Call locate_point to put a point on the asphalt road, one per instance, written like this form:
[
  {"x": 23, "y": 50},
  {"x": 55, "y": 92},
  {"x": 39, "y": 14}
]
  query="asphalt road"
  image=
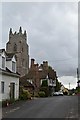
[{"x": 52, "y": 107}]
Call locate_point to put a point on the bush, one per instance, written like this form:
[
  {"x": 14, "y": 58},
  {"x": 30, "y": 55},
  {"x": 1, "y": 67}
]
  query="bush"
[
  {"x": 41, "y": 94},
  {"x": 25, "y": 95},
  {"x": 45, "y": 90}
]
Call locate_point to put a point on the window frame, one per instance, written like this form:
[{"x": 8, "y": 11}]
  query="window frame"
[
  {"x": 2, "y": 87},
  {"x": 13, "y": 66},
  {"x": 3, "y": 62}
]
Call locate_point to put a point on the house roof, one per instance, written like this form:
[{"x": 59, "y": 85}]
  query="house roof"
[
  {"x": 9, "y": 56},
  {"x": 1, "y": 50},
  {"x": 8, "y": 72}
]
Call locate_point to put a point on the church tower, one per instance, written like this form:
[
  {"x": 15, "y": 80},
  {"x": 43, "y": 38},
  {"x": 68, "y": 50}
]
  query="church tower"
[{"x": 17, "y": 44}]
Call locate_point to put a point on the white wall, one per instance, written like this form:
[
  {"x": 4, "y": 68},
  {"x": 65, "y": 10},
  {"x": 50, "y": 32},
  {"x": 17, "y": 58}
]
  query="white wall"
[
  {"x": 0, "y": 87},
  {"x": 2, "y": 55},
  {"x": 0, "y": 61},
  {"x": 7, "y": 80},
  {"x": 9, "y": 64}
]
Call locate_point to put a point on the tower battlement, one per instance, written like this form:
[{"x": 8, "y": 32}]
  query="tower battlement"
[{"x": 17, "y": 33}]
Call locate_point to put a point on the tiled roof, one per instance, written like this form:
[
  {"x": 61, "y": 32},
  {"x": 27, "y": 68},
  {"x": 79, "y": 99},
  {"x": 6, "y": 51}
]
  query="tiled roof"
[
  {"x": 7, "y": 71},
  {"x": 9, "y": 56},
  {"x": 1, "y": 50}
]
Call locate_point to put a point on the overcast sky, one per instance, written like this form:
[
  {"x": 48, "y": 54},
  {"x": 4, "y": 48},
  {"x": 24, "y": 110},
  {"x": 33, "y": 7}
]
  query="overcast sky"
[{"x": 52, "y": 30}]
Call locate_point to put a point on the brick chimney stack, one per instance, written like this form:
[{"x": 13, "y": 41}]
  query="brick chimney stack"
[
  {"x": 45, "y": 65},
  {"x": 32, "y": 62}
]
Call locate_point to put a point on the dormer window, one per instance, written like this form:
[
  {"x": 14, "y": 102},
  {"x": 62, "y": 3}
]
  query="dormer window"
[
  {"x": 13, "y": 66},
  {"x": 3, "y": 62}
]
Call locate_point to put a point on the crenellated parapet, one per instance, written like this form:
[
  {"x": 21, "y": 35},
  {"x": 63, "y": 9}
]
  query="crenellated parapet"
[{"x": 12, "y": 34}]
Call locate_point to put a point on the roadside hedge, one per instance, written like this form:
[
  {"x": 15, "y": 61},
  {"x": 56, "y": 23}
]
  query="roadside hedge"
[{"x": 41, "y": 94}]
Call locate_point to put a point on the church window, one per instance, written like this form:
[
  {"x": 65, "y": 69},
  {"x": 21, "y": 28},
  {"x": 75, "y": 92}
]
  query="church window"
[
  {"x": 22, "y": 49},
  {"x": 15, "y": 47}
]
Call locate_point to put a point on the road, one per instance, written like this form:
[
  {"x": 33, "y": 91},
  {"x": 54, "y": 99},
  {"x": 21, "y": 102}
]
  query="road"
[{"x": 51, "y": 107}]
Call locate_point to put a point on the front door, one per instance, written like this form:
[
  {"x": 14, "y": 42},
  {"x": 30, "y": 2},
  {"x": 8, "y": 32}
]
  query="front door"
[{"x": 12, "y": 90}]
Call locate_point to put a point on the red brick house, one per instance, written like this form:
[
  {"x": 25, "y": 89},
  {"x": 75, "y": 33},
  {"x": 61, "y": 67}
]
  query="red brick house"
[{"x": 37, "y": 73}]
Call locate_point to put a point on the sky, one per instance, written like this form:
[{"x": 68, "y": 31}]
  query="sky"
[{"x": 52, "y": 31}]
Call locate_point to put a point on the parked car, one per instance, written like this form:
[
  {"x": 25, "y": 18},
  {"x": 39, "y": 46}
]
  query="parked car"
[
  {"x": 55, "y": 94},
  {"x": 59, "y": 93}
]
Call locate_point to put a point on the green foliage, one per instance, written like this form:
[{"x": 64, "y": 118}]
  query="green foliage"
[
  {"x": 36, "y": 95},
  {"x": 77, "y": 89},
  {"x": 44, "y": 83},
  {"x": 49, "y": 67},
  {"x": 25, "y": 95},
  {"x": 58, "y": 86},
  {"x": 41, "y": 94},
  {"x": 46, "y": 90}
]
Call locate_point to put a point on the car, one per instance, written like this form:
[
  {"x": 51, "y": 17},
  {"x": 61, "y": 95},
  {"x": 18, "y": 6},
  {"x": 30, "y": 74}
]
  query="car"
[
  {"x": 55, "y": 94},
  {"x": 59, "y": 93}
]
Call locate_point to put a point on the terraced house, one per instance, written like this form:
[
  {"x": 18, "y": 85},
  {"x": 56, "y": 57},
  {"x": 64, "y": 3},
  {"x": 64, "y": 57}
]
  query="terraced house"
[{"x": 9, "y": 78}]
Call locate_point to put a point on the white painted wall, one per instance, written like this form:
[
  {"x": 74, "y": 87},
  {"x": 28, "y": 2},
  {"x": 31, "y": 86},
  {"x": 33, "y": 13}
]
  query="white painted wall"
[
  {"x": 0, "y": 61},
  {"x": 9, "y": 64},
  {"x": 0, "y": 86},
  {"x": 7, "y": 80},
  {"x": 2, "y": 55}
]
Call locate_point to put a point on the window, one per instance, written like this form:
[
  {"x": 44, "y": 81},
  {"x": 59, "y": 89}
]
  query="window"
[
  {"x": 3, "y": 62},
  {"x": 13, "y": 66},
  {"x": 2, "y": 87},
  {"x": 15, "y": 47}
]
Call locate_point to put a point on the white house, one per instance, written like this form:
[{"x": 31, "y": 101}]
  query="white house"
[{"x": 9, "y": 79}]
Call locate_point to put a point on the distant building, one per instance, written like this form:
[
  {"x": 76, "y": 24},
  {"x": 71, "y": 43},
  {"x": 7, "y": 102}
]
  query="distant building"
[
  {"x": 38, "y": 73},
  {"x": 17, "y": 45},
  {"x": 9, "y": 79}
]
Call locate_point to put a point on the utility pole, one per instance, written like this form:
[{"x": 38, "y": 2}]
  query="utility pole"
[
  {"x": 78, "y": 76},
  {"x": 69, "y": 86}
]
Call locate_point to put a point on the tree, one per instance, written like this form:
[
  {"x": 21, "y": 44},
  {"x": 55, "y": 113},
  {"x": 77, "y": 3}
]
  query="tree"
[{"x": 58, "y": 86}]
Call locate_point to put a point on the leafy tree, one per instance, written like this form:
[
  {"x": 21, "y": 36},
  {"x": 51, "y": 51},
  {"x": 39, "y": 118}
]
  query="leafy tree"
[{"x": 58, "y": 86}]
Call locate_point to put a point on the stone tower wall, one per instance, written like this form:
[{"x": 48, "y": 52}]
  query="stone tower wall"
[{"x": 18, "y": 44}]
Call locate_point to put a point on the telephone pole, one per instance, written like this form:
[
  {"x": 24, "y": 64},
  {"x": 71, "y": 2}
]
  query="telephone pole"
[
  {"x": 78, "y": 76},
  {"x": 69, "y": 88}
]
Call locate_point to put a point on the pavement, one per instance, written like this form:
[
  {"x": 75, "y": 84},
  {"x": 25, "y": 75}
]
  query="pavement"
[{"x": 13, "y": 107}]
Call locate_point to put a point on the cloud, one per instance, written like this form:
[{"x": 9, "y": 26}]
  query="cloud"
[
  {"x": 52, "y": 32},
  {"x": 68, "y": 82}
]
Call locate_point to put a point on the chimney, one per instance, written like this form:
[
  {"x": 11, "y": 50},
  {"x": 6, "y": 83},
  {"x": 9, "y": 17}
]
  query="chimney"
[
  {"x": 37, "y": 65},
  {"x": 45, "y": 64},
  {"x": 32, "y": 62}
]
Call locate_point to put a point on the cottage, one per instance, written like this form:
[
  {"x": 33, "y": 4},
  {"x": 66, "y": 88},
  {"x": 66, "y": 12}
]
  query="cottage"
[
  {"x": 9, "y": 79},
  {"x": 38, "y": 73}
]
